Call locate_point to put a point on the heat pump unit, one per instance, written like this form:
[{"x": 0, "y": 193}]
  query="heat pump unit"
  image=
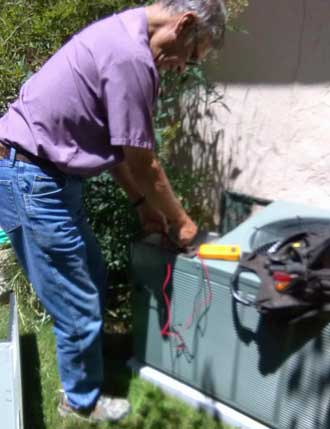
[{"x": 279, "y": 376}]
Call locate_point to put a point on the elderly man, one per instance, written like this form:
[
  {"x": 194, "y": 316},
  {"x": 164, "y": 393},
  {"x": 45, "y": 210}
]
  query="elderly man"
[{"x": 87, "y": 110}]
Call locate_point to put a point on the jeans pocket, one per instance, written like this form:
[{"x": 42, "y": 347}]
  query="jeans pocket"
[
  {"x": 43, "y": 193},
  {"x": 44, "y": 185},
  {"x": 9, "y": 219}
]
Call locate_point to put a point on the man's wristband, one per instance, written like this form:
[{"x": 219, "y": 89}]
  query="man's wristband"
[{"x": 138, "y": 202}]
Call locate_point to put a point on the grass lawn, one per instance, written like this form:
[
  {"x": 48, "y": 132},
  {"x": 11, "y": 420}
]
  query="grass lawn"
[
  {"x": 4, "y": 320},
  {"x": 152, "y": 409}
]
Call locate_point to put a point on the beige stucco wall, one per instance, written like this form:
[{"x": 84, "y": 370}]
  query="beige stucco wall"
[{"x": 269, "y": 136}]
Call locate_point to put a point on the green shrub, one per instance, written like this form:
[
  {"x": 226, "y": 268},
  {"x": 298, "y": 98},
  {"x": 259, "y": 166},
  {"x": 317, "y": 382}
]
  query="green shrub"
[
  {"x": 113, "y": 220},
  {"x": 16, "y": 281},
  {"x": 4, "y": 320},
  {"x": 31, "y": 30}
]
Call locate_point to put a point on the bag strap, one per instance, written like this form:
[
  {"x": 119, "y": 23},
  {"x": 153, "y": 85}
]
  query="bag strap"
[
  {"x": 250, "y": 263},
  {"x": 234, "y": 286}
]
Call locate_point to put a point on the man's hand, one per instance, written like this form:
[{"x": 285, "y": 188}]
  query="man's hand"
[
  {"x": 185, "y": 230},
  {"x": 152, "y": 220}
]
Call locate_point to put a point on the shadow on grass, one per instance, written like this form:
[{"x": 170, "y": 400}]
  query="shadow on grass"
[
  {"x": 151, "y": 407},
  {"x": 117, "y": 349},
  {"x": 32, "y": 396}
]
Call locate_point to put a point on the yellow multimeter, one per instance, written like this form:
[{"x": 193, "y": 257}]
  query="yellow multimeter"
[{"x": 227, "y": 252}]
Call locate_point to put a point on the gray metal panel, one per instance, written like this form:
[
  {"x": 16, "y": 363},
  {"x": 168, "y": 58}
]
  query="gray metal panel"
[
  {"x": 306, "y": 396},
  {"x": 11, "y": 408},
  {"x": 205, "y": 335},
  {"x": 252, "y": 395},
  {"x": 17, "y": 373},
  {"x": 7, "y": 411},
  {"x": 278, "y": 375}
]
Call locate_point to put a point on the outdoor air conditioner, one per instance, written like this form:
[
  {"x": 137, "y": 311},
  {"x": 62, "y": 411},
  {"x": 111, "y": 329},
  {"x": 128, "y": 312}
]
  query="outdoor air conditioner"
[{"x": 278, "y": 376}]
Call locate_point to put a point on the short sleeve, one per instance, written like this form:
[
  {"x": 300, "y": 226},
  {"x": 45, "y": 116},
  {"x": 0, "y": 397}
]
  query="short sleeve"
[{"x": 129, "y": 92}]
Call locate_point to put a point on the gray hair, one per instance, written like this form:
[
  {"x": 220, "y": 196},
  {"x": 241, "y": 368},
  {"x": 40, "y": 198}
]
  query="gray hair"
[{"x": 211, "y": 14}]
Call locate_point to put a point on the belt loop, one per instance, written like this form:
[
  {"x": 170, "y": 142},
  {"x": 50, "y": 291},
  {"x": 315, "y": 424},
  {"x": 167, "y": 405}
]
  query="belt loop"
[{"x": 12, "y": 156}]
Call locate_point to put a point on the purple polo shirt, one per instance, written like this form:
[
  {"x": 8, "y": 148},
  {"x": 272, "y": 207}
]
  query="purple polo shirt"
[{"x": 94, "y": 96}]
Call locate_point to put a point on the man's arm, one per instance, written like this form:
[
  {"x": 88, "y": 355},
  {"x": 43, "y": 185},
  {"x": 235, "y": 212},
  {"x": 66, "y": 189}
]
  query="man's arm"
[
  {"x": 141, "y": 174},
  {"x": 152, "y": 220},
  {"x": 123, "y": 176}
]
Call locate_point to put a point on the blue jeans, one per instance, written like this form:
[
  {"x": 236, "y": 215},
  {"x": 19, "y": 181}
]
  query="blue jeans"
[{"x": 41, "y": 211}]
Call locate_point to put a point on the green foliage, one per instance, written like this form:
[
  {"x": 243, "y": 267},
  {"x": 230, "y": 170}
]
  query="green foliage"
[
  {"x": 169, "y": 128},
  {"x": 32, "y": 30},
  {"x": 4, "y": 320},
  {"x": 112, "y": 219},
  {"x": 17, "y": 282}
]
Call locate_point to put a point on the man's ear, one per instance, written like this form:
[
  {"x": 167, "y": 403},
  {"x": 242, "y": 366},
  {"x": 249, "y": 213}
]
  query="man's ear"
[{"x": 185, "y": 23}]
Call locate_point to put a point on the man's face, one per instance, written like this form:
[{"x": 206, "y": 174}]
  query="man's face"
[
  {"x": 183, "y": 51},
  {"x": 179, "y": 44}
]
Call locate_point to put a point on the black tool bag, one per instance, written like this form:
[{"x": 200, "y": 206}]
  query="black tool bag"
[{"x": 294, "y": 277}]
